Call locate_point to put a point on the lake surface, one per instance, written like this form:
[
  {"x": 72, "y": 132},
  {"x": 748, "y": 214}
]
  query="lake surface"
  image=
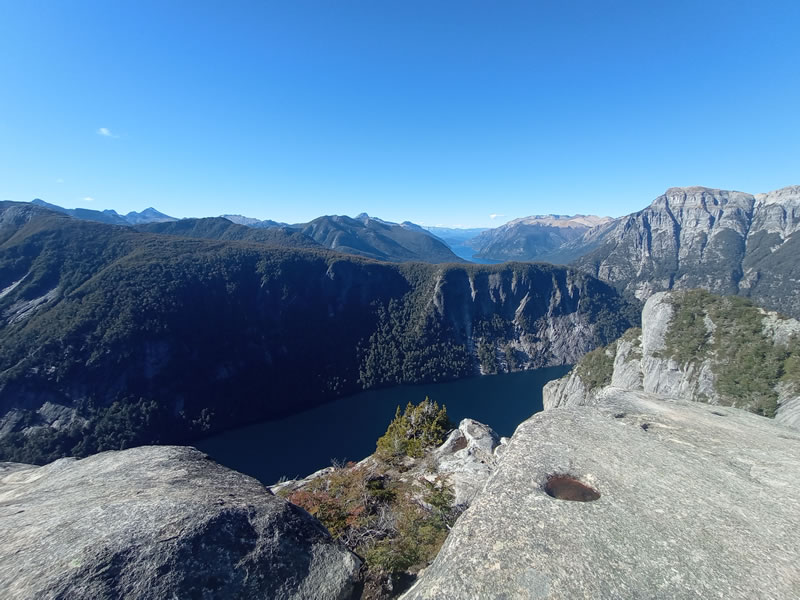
[
  {"x": 466, "y": 253},
  {"x": 348, "y": 428}
]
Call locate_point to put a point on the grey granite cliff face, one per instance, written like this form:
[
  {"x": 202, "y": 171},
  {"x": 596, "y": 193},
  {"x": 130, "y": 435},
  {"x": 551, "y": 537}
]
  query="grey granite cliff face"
[
  {"x": 159, "y": 522},
  {"x": 724, "y": 241},
  {"x": 642, "y": 362},
  {"x": 544, "y": 314},
  {"x": 694, "y": 502}
]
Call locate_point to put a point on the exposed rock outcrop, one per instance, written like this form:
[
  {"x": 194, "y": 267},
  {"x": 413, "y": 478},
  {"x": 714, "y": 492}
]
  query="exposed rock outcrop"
[
  {"x": 159, "y": 522},
  {"x": 467, "y": 458},
  {"x": 724, "y": 241},
  {"x": 694, "y": 502},
  {"x": 698, "y": 347}
]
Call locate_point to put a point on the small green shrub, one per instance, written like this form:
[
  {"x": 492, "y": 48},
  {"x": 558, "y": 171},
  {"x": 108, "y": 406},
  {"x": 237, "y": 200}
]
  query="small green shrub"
[{"x": 414, "y": 430}]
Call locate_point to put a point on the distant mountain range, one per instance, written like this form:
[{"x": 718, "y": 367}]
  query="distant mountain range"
[
  {"x": 251, "y": 222},
  {"x": 727, "y": 242},
  {"x": 219, "y": 228},
  {"x": 458, "y": 240},
  {"x": 111, "y": 217},
  {"x": 529, "y": 238},
  {"x": 375, "y": 238},
  {"x": 363, "y": 236}
]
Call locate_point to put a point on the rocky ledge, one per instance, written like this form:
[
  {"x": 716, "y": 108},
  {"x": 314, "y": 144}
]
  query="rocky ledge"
[
  {"x": 159, "y": 522},
  {"x": 697, "y": 346},
  {"x": 676, "y": 500}
]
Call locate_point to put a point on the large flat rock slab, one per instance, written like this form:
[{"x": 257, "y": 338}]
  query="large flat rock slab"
[
  {"x": 159, "y": 522},
  {"x": 696, "y": 501}
]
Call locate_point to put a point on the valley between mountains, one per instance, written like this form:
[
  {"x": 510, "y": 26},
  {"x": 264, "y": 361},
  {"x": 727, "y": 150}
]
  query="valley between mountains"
[{"x": 122, "y": 335}]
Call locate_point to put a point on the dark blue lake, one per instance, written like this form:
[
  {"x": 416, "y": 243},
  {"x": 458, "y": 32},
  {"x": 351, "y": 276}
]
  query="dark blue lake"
[{"x": 347, "y": 429}]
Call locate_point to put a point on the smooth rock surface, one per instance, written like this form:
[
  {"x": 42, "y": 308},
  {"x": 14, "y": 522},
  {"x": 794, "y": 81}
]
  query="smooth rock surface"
[
  {"x": 159, "y": 522},
  {"x": 467, "y": 458},
  {"x": 696, "y": 502}
]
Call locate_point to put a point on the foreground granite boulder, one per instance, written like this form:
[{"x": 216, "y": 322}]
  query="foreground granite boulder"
[
  {"x": 683, "y": 500},
  {"x": 159, "y": 522}
]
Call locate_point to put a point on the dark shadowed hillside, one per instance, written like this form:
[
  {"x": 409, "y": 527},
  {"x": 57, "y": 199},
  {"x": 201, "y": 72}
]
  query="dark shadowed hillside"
[{"x": 112, "y": 337}]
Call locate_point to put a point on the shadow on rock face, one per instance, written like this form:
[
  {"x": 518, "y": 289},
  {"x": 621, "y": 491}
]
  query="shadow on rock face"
[{"x": 566, "y": 487}]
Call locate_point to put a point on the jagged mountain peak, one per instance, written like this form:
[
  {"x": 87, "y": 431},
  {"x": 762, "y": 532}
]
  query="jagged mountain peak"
[
  {"x": 724, "y": 241},
  {"x": 148, "y": 215}
]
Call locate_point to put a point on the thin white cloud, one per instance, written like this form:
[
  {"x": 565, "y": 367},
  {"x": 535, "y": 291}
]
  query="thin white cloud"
[
  {"x": 59, "y": 180},
  {"x": 88, "y": 199},
  {"x": 493, "y": 216},
  {"x": 106, "y": 132}
]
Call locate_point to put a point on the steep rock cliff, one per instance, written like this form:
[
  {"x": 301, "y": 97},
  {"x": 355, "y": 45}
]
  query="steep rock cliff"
[
  {"x": 724, "y": 241},
  {"x": 699, "y": 347}
]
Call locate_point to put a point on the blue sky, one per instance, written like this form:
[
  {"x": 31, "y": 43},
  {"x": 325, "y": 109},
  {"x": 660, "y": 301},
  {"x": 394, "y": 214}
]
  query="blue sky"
[{"x": 435, "y": 112}]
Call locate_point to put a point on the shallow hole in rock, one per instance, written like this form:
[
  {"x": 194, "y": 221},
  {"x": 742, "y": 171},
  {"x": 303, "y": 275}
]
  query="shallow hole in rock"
[
  {"x": 645, "y": 426},
  {"x": 460, "y": 444},
  {"x": 566, "y": 487},
  {"x": 619, "y": 416},
  {"x": 719, "y": 414}
]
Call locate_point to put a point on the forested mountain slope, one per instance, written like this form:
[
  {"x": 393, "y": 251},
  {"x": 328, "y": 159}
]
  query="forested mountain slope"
[
  {"x": 111, "y": 337},
  {"x": 375, "y": 238},
  {"x": 220, "y": 228}
]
